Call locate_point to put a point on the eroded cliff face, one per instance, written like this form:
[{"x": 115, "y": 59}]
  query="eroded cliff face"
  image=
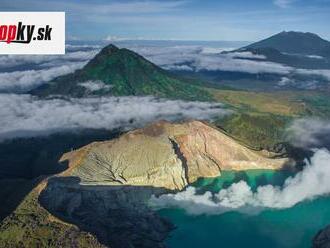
[
  {"x": 108, "y": 184},
  {"x": 133, "y": 159},
  {"x": 118, "y": 216},
  {"x": 165, "y": 155},
  {"x": 104, "y": 193}
]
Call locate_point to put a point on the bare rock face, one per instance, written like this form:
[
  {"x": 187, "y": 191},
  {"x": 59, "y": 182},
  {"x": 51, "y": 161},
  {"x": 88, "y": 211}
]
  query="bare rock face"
[
  {"x": 118, "y": 216},
  {"x": 102, "y": 198},
  {"x": 106, "y": 189},
  {"x": 164, "y": 155}
]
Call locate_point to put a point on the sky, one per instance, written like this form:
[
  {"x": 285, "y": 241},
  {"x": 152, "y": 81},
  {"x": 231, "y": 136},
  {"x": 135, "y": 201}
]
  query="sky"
[{"x": 230, "y": 20}]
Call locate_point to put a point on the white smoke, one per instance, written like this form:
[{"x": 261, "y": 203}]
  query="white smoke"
[
  {"x": 311, "y": 182},
  {"x": 24, "y": 115}
]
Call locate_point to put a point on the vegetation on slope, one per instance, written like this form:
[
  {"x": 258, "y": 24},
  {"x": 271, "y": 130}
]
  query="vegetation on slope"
[
  {"x": 279, "y": 103},
  {"x": 260, "y": 131},
  {"x": 296, "y": 43},
  {"x": 124, "y": 73},
  {"x": 30, "y": 225},
  {"x": 261, "y": 119}
]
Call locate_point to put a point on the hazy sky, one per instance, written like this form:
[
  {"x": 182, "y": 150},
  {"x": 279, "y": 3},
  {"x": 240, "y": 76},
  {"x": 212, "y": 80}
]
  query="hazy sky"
[{"x": 246, "y": 20}]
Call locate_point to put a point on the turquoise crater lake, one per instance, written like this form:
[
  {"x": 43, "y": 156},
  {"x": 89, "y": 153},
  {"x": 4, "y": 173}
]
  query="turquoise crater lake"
[{"x": 293, "y": 227}]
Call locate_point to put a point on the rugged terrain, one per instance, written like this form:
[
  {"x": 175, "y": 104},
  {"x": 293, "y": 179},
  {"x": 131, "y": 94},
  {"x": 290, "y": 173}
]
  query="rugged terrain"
[
  {"x": 121, "y": 72},
  {"x": 165, "y": 155},
  {"x": 102, "y": 198},
  {"x": 304, "y": 59},
  {"x": 295, "y": 43}
]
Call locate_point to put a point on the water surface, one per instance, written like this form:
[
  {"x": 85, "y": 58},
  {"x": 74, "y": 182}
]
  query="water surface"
[{"x": 293, "y": 227}]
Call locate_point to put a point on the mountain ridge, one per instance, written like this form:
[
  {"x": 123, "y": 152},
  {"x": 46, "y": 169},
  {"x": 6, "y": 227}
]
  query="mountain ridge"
[
  {"x": 172, "y": 154},
  {"x": 122, "y": 72},
  {"x": 108, "y": 184},
  {"x": 293, "y": 42}
]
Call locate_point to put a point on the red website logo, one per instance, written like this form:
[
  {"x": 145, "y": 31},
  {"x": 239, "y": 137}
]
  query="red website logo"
[{"x": 21, "y": 33}]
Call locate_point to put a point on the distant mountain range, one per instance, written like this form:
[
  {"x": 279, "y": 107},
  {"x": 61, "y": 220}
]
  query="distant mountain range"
[
  {"x": 298, "y": 43},
  {"x": 121, "y": 72},
  {"x": 297, "y": 49}
]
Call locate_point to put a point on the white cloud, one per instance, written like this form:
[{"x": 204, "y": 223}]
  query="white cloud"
[
  {"x": 94, "y": 85},
  {"x": 308, "y": 132},
  {"x": 82, "y": 46},
  {"x": 101, "y": 9},
  {"x": 116, "y": 38},
  {"x": 170, "y": 57},
  {"x": 112, "y": 38},
  {"x": 22, "y": 81},
  {"x": 24, "y": 115},
  {"x": 178, "y": 68},
  {"x": 199, "y": 58},
  {"x": 226, "y": 63},
  {"x": 247, "y": 55},
  {"x": 215, "y": 50},
  {"x": 323, "y": 73},
  {"x": 8, "y": 61},
  {"x": 134, "y": 7},
  {"x": 310, "y": 84},
  {"x": 22, "y": 73},
  {"x": 283, "y": 3},
  {"x": 314, "y": 57},
  {"x": 311, "y": 182},
  {"x": 285, "y": 81}
]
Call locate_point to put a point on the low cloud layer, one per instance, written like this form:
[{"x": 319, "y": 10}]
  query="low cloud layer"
[
  {"x": 24, "y": 115},
  {"x": 95, "y": 85},
  {"x": 283, "y": 3},
  {"x": 311, "y": 182},
  {"x": 9, "y": 61},
  {"x": 310, "y": 132},
  {"x": 23, "y": 73},
  {"x": 23, "y": 81},
  {"x": 233, "y": 64},
  {"x": 199, "y": 58}
]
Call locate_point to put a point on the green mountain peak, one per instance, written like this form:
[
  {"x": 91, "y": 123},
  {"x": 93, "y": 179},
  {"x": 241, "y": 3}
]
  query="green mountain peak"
[{"x": 122, "y": 72}]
